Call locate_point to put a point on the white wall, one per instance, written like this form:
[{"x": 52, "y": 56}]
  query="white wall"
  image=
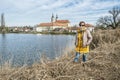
[
  {"x": 47, "y": 28},
  {"x": 40, "y": 29}
]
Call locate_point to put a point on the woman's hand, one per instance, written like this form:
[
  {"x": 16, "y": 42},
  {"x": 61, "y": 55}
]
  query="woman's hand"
[{"x": 87, "y": 44}]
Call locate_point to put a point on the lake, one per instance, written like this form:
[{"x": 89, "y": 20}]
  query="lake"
[{"x": 20, "y": 49}]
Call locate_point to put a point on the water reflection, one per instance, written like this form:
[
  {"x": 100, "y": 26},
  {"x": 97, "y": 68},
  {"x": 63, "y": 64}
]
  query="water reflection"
[
  {"x": 4, "y": 54},
  {"x": 3, "y": 43},
  {"x": 27, "y": 48}
]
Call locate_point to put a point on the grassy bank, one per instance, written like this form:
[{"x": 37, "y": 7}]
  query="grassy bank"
[{"x": 103, "y": 63}]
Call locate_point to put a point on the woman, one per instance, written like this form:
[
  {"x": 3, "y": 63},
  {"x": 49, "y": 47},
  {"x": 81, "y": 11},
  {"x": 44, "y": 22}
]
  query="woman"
[{"x": 82, "y": 42}]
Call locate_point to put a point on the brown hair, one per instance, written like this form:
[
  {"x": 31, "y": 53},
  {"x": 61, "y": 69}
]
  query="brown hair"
[{"x": 81, "y": 23}]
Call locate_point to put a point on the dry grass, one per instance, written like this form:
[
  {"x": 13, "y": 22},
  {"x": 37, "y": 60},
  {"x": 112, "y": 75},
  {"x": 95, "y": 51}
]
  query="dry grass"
[{"x": 103, "y": 63}]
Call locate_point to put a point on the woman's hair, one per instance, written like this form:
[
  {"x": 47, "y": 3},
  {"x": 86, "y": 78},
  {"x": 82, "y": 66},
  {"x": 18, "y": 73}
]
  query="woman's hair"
[{"x": 81, "y": 23}]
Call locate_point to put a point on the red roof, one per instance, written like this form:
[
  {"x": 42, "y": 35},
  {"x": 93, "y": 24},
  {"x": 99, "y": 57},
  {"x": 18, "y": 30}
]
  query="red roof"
[
  {"x": 63, "y": 21},
  {"x": 59, "y": 24},
  {"x": 45, "y": 24},
  {"x": 89, "y": 25},
  {"x": 56, "y": 23},
  {"x": 52, "y": 24}
]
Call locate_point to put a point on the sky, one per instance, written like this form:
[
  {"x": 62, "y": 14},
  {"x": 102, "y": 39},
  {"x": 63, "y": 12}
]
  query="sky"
[{"x": 33, "y": 12}]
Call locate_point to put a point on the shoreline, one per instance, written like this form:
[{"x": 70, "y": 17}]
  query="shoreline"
[{"x": 54, "y": 33}]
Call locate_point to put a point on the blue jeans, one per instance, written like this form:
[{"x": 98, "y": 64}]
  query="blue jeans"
[{"x": 84, "y": 57}]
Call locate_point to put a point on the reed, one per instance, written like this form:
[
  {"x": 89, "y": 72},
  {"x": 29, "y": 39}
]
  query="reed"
[{"x": 103, "y": 63}]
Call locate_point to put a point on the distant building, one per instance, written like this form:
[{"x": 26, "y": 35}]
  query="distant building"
[
  {"x": 88, "y": 26},
  {"x": 72, "y": 29},
  {"x": 20, "y": 29},
  {"x": 53, "y": 25}
]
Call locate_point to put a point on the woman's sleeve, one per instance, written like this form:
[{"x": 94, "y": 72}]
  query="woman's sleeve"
[{"x": 89, "y": 37}]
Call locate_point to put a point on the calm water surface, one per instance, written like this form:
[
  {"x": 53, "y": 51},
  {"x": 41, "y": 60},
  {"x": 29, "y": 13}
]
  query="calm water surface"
[{"x": 19, "y": 49}]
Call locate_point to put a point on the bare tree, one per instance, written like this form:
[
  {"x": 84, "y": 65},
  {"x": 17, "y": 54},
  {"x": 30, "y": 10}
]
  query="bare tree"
[
  {"x": 105, "y": 21},
  {"x": 113, "y": 20}
]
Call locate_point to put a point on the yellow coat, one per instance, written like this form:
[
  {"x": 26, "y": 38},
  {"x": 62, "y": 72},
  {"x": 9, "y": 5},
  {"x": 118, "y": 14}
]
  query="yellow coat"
[{"x": 80, "y": 46}]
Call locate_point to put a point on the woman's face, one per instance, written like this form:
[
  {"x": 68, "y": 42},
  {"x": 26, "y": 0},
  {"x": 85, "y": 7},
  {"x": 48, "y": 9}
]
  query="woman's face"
[{"x": 82, "y": 25}]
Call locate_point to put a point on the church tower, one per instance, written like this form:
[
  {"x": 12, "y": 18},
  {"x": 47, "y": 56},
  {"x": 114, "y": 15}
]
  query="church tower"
[
  {"x": 56, "y": 17},
  {"x": 52, "y": 18}
]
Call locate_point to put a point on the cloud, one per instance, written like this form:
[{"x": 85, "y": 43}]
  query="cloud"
[{"x": 32, "y": 12}]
